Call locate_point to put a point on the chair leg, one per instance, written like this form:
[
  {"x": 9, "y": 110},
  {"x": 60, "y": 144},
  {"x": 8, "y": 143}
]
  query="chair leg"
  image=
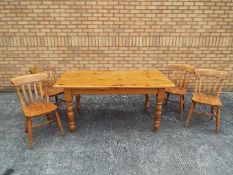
[
  {"x": 218, "y": 119},
  {"x": 181, "y": 107},
  {"x": 147, "y": 103},
  {"x": 168, "y": 95},
  {"x": 26, "y": 130},
  {"x": 56, "y": 98},
  {"x": 78, "y": 100},
  {"x": 57, "y": 117},
  {"x": 184, "y": 102},
  {"x": 49, "y": 117},
  {"x": 29, "y": 130},
  {"x": 212, "y": 112},
  {"x": 190, "y": 114}
]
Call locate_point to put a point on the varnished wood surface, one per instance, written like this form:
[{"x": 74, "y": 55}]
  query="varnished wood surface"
[
  {"x": 33, "y": 95},
  {"x": 36, "y": 109},
  {"x": 180, "y": 75},
  {"x": 113, "y": 82},
  {"x": 113, "y": 79},
  {"x": 53, "y": 91},
  {"x": 209, "y": 82},
  {"x": 46, "y": 69},
  {"x": 207, "y": 90},
  {"x": 221, "y": 75},
  {"x": 207, "y": 100},
  {"x": 109, "y": 91},
  {"x": 51, "y": 72},
  {"x": 176, "y": 91},
  {"x": 17, "y": 81}
]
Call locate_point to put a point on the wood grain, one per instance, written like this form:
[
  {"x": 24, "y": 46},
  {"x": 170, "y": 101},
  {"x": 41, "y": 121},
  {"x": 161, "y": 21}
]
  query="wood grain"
[
  {"x": 76, "y": 83},
  {"x": 113, "y": 79},
  {"x": 180, "y": 75},
  {"x": 208, "y": 86},
  {"x": 28, "y": 87}
]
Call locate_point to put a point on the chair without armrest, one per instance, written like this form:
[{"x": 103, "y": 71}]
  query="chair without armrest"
[
  {"x": 33, "y": 95},
  {"x": 207, "y": 90},
  {"x": 180, "y": 75}
]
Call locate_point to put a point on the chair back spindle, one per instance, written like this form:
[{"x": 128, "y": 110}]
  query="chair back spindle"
[
  {"x": 31, "y": 89},
  {"x": 209, "y": 82},
  {"x": 180, "y": 74},
  {"x": 49, "y": 70}
]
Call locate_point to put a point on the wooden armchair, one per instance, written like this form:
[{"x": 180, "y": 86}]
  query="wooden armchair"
[
  {"x": 180, "y": 75},
  {"x": 33, "y": 95},
  {"x": 51, "y": 72},
  {"x": 207, "y": 91}
]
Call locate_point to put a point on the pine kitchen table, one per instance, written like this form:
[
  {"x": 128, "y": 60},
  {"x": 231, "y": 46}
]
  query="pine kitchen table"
[{"x": 76, "y": 83}]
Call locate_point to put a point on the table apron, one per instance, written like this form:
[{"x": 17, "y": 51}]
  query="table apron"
[{"x": 115, "y": 91}]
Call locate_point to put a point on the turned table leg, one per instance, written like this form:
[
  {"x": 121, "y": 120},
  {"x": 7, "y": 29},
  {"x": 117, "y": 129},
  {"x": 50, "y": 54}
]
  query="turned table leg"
[
  {"x": 147, "y": 103},
  {"x": 78, "y": 103},
  {"x": 158, "y": 109},
  {"x": 70, "y": 111}
]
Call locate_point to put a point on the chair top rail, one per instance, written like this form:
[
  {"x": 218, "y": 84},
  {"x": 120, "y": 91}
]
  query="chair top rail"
[
  {"x": 28, "y": 79},
  {"x": 182, "y": 67},
  {"x": 211, "y": 73}
]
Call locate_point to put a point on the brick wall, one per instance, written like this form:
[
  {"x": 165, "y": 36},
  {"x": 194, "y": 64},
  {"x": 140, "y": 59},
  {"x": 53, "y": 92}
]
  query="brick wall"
[{"x": 115, "y": 34}]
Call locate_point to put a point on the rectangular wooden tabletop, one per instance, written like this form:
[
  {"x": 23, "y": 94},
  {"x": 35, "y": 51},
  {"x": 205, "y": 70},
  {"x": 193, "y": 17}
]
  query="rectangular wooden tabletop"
[{"x": 113, "y": 79}]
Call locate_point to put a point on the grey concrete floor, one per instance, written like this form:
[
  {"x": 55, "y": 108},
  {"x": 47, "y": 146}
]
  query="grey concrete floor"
[{"x": 114, "y": 137}]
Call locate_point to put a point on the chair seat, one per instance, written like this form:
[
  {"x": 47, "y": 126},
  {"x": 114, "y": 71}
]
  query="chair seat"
[
  {"x": 176, "y": 91},
  {"x": 208, "y": 100},
  {"x": 38, "y": 109},
  {"x": 52, "y": 91}
]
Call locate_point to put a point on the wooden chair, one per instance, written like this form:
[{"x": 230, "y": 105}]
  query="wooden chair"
[
  {"x": 179, "y": 74},
  {"x": 207, "y": 91},
  {"x": 51, "y": 72},
  {"x": 33, "y": 95}
]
